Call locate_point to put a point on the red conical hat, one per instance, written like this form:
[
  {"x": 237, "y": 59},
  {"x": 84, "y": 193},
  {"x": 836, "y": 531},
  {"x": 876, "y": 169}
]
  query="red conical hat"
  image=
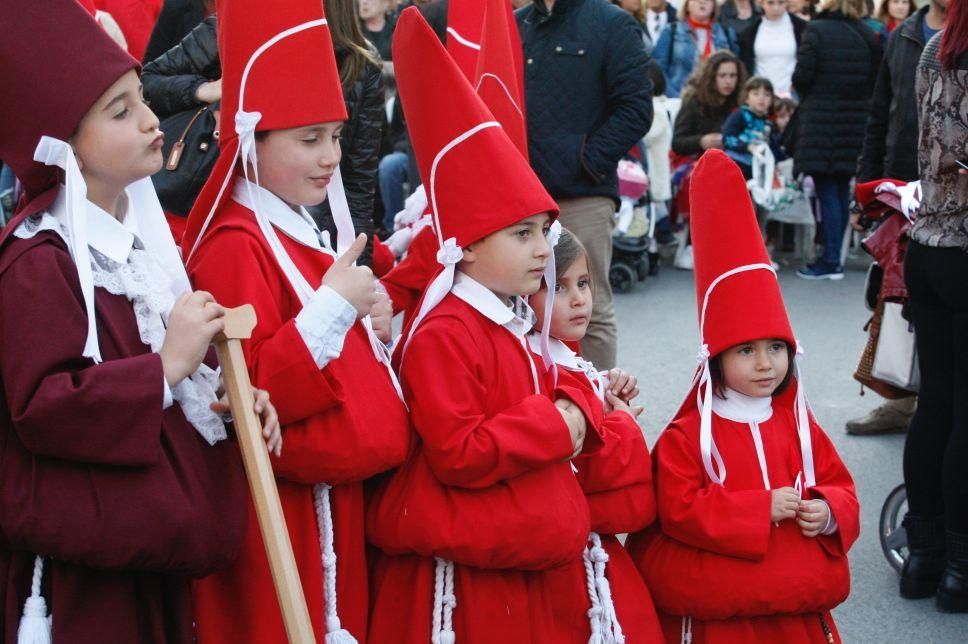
[
  {"x": 278, "y": 72},
  {"x": 55, "y": 63},
  {"x": 465, "y": 24},
  {"x": 499, "y": 78},
  {"x": 477, "y": 182},
  {"x": 737, "y": 293}
]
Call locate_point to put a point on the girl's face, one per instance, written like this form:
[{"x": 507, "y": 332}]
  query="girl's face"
[
  {"x": 297, "y": 164},
  {"x": 118, "y": 141},
  {"x": 898, "y": 9},
  {"x": 372, "y": 8},
  {"x": 700, "y": 10},
  {"x": 760, "y": 100},
  {"x": 756, "y": 368},
  {"x": 726, "y": 78},
  {"x": 512, "y": 260},
  {"x": 773, "y": 9},
  {"x": 782, "y": 118},
  {"x": 572, "y": 308}
]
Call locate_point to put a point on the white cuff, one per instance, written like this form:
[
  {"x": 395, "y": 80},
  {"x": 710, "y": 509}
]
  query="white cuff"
[
  {"x": 831, "y": 526},
  {"x": 168, "y": 400},
  {"x": 323, "y": 324}
]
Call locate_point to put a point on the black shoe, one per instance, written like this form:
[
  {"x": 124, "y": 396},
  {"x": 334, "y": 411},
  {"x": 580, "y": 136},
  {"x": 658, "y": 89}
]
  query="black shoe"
[
  {"x": 925, "y": 562},
  {"x": 953, "y": 590}
]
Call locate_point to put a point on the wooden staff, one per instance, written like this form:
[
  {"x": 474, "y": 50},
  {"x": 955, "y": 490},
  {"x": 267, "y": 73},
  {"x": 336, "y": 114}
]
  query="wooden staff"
[{"x": 239, "y": 323}]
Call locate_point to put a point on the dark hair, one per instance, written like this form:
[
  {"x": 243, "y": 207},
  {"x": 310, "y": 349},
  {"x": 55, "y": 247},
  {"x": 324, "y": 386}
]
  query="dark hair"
[
  {"x": 568, "y": 251},
  {"x": 781, "y": 103},
  {"x": 702, "y": 83},
  {"x": 719, "y": 382},
  {"x": 954, "y": 41},
  {"x": 756, "y": 82},
  {"x": 657, "y": 76},
  {"x": 347, "y": 34}
]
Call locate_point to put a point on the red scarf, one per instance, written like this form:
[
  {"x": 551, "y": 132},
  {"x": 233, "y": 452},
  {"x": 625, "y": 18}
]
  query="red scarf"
[{"x": 708, "y": 26}]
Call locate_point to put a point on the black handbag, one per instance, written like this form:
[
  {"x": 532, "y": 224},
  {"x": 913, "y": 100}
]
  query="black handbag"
[{"x": 190, "y": 151}]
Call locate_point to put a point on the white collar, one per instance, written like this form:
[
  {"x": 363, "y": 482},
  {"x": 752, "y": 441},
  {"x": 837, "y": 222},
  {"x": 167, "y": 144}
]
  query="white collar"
[
  {"x": 298, "y": 225},
  {"x": 741, "y": 408},
  {"x": 105, "y": 234},
  {"x": 490, "y": 305},
  {"x": 561, "y": 355}
]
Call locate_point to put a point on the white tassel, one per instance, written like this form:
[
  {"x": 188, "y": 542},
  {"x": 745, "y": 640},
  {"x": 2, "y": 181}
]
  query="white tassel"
[
  {"x": 335, "y": 633},
  {"x": 602, "y": 617},
  {"x": 686, "y": 631},
  {"x": 35, "y": 625},
  {"x": 445, "y": 601}
]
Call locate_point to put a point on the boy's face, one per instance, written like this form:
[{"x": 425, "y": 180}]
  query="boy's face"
[
  {"x": 756, "y": 368},
  {"x": 760, "y": 100},
  {"x": 297, "y": 164},
  {"x": 572, "y": 309},
  {"x": 782, "y": 119},
  {"x": 512, "y": 260},
  {"x": 118, "y": 141}
]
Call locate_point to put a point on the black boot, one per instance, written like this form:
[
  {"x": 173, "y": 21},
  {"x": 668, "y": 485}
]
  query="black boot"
[
  {"x": 925, "y": 562},
  {"x": 953, "y": 589}
]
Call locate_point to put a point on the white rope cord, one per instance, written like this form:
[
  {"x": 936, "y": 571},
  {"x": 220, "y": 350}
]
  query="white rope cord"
[
  {"x": 35, "y": 625},
  {"x": 335, "y": 633},
  {"x": 445, "y": 601},
  {"x": 686, "y": 633},
  {"x": 605, "y": 628}
]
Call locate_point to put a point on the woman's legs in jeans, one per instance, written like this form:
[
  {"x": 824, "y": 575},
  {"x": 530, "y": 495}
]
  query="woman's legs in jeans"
[
  {"x": 393, "y": 174},
  {"x": 936, "y": 450},
  {"x": 833, "y": 193}
]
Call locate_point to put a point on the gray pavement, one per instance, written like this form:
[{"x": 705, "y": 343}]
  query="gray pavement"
[{"x": 658, "y": 338}]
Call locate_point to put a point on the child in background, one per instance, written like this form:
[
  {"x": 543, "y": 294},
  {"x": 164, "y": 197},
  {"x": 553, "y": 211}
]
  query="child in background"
[
  {"x": 750, "y": 125},
  {"x": 486, "y": 503},
  {"x": 250, "y": 240},
  {"x": 601, "y": 594},
  {"x": 756, "y": 509},
  {"x": 117, "y": 484}
]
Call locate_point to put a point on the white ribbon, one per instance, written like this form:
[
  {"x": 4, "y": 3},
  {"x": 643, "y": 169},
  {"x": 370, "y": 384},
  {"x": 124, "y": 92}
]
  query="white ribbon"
[
  {"x": 551, "y": 279},
  {"x": 910, "y": 195},
  {"x": 51, "y": 151},
  {"x": 449, "y": 255},
  {"x": 413, "y": 209}
]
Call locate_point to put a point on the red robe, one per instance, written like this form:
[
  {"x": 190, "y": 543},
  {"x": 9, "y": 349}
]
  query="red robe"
[
  {"x": 126, "y": 499},
  {"x": 406, "y": 281},
  {"x": 488, "y": 488},
  {"x": 341, "y": 424},
  {"x": 617, "y": 481},
  {"x": 719, "y": 559}
]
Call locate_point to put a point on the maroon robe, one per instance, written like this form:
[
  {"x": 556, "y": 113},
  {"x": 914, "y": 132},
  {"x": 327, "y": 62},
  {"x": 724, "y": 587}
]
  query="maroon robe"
[{"x": 126, "y": 500}]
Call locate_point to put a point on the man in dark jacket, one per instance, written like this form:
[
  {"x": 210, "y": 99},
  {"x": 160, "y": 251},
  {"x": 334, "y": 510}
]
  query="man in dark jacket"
[
  {"x": 891, "y": 140},
  {"x": 589, "y": 100},
  {"x": 891, "y": 151}
]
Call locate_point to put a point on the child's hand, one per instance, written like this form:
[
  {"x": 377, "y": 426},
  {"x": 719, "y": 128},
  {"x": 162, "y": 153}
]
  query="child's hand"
[
  {"x": 623, "y": 384},
  {"x": 812, "y": 516},
  {"x": 614, "y": 403},
  {"x": 194, "y": 320},
  {"x": 355, "y": 283},
  {"x": 576, "y": 424},
  {"x": 786, "y": 501},
  {"x": 381, "y": 317},
  {"x": 271, "y": 431}
]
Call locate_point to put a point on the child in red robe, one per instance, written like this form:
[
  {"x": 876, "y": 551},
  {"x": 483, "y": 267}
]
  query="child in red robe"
[
  {"x": 250, "y": 240},
  {"x": 487, "y": 503},
  {"x": 116, "y": 485},
  {"x": 756, "y": 509},
  {"x": 599, "y": 597}
]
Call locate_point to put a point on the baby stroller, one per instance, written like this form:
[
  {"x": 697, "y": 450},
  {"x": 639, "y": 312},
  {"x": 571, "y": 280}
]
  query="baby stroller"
[
  {"x": 893, "y": 537},
  {"x": 634, "y": 250}
]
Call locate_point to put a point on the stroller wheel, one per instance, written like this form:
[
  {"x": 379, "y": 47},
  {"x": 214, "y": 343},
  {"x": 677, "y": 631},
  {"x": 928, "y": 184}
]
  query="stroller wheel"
[
  {"x": 642, "y": 269},
  {"x": 892, "y": 534},
  {"x": 622, "y": 278}
]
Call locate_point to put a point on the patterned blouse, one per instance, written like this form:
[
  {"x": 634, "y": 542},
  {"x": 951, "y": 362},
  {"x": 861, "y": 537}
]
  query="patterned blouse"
[{"x": 943, "y": 116}]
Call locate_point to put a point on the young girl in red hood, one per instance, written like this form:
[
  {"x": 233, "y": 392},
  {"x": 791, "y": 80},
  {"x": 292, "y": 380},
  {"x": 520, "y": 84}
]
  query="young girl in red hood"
[
  {"x": 599, "y": 597},
  {"x": 756, "y": 509}
]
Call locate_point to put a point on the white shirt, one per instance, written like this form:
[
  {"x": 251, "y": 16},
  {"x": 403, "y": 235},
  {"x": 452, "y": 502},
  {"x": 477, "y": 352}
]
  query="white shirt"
[
  {"x": 655, "y": 22},
  {"x": 327, "y": 317},
  {"x": 775, "y": 53}
]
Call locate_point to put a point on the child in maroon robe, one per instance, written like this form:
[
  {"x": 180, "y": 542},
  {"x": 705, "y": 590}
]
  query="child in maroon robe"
[
  {"x": 486, "y": 503},
  {"x": 600, "y": 596},
  {"x": 756, "y": 509},
  {"x": 116, "y": 486}
]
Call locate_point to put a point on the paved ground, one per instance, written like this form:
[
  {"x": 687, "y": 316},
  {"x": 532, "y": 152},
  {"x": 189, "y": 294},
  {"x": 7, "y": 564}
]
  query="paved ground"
[{"x": 658, "y": 339}]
